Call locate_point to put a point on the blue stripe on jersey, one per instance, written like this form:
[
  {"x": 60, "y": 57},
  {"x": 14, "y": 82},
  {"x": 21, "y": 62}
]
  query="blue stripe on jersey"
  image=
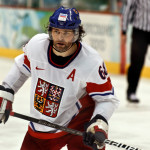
[
  {"x": 31, "y": 123},
  {"x": 78, "y": 106},
  {"x": 104, "y": 94},
  {"x": 26, "y": 67}
]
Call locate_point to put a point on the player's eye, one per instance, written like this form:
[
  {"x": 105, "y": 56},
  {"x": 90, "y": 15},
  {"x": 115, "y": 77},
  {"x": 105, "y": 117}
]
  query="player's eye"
[{"x": 56, "y": 31}]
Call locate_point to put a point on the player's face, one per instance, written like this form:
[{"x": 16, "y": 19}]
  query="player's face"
[{"x": 62, "y": 39}]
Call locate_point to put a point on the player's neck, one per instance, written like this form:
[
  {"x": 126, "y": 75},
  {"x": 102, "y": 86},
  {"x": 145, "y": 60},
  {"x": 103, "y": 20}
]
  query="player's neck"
[{"x": 68, "y": 52}]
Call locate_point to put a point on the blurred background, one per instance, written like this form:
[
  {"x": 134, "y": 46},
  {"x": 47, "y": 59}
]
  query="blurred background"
[
  {"x": 94, "y": 5},
  {"x": 22, "y": 19}
]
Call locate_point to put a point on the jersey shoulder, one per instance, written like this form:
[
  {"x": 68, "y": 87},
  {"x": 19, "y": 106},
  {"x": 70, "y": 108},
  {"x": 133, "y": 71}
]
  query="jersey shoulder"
[
  {"x": 88, "y": 63},
  {"x": 90, "y": 54},
  {"x": 38, "y": 44},
  {"x": 38, "y": 38}
]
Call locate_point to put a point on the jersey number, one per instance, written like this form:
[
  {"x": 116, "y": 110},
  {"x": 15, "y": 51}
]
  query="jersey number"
[{"x": 102, "y": 71}]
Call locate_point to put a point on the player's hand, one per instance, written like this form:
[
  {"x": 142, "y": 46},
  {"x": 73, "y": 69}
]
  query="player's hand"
[
  {"x": 96, "y": 130},
  {"x": 6, "y": 100}
]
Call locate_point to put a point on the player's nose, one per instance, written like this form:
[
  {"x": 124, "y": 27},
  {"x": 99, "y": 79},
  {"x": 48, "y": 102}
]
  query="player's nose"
[{"x": 61, "y": 36}]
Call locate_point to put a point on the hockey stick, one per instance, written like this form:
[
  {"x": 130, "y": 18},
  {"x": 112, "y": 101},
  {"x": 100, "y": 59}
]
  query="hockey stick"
[{"x": 69, "y": 130}]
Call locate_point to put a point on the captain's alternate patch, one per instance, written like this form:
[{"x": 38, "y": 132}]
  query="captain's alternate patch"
[{"x": 47, "y": 98}]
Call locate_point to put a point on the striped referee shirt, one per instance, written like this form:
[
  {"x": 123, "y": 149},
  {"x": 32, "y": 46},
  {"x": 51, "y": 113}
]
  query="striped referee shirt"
[{"x": 137, "y": 13}]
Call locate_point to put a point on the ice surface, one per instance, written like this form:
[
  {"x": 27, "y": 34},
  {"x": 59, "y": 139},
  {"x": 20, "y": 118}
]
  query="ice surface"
[{"x": 129, "y": 124}]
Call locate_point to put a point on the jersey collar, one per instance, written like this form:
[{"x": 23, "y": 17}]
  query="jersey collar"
[{"x": 79, "y": 45}]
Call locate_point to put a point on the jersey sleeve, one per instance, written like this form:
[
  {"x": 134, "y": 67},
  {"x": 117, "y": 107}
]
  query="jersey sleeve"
[
  {"x": 19, "y": 72},
  {"x": 101, "y": 90}
]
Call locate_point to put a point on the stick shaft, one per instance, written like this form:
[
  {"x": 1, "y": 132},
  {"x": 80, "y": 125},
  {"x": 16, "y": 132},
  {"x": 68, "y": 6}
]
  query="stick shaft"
[
  {"x": 46, "y": 123},
  {"x": 69, "y": 130}
]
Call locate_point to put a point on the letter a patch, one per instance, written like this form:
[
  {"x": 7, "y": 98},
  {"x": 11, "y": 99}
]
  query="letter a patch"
[{"x": 72, "y": 75}]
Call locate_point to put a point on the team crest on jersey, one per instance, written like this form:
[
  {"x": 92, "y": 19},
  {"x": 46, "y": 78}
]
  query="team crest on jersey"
[{"x": 47, "y": 98}]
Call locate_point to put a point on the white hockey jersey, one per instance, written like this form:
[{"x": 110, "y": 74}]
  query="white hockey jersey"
[{"x": 56, "y": 89}]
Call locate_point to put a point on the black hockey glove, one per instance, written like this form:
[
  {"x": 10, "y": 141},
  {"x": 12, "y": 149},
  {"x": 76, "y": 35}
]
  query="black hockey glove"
[
  {"x": 6, "y": 100},
  {"x": 96, "y": 130}
]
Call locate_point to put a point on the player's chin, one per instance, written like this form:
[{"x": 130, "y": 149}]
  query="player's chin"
[{"x": 60, "y": 49}]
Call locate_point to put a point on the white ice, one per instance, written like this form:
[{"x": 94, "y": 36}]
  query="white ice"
[{"x": 129, "y": 124}]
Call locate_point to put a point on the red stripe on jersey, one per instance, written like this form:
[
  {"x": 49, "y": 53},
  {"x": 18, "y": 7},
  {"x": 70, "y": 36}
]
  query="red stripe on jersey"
[
  {"x": 93, "y": 87},
  {"x": 26, "y": 61}
]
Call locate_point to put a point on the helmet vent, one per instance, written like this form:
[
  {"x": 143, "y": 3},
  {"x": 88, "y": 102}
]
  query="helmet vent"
[{"x": 72, "y": 24}]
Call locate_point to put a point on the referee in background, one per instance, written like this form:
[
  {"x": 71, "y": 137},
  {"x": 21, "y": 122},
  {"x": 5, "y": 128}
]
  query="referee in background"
[{"x": 137, "y": 13}]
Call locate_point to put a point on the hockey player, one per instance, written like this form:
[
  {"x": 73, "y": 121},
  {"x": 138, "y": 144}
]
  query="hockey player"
[{"x": 70, "y": 86}]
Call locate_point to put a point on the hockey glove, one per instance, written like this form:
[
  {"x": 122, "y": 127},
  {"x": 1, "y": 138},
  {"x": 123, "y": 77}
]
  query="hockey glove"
[
  {"x": 6, "y": 99},
  {"x": 96, "y": 130}
]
